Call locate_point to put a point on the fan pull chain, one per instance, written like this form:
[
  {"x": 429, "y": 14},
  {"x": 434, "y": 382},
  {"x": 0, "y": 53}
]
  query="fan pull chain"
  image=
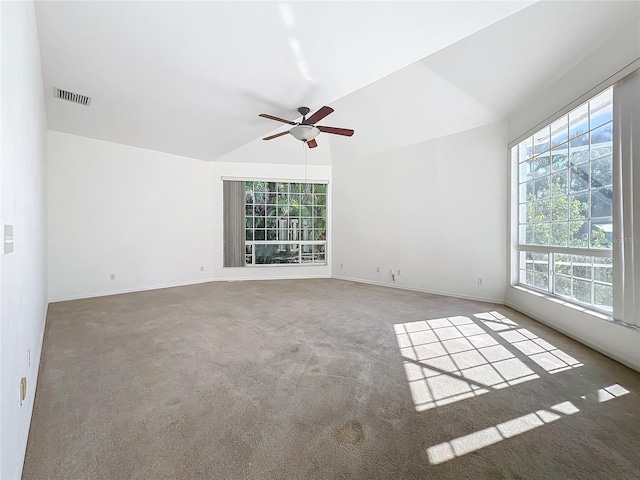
[{"x": 304, "y": 147}]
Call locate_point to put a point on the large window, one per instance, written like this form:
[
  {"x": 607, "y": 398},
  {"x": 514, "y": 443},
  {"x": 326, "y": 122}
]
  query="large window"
[
  {"x": 565, "y": 205},
  {"x": 286, "y": 223}
]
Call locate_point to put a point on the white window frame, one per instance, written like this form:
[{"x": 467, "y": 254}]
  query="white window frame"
[
  {"x": 620, "y": 312},
  {"x": 302, "y": 257}
]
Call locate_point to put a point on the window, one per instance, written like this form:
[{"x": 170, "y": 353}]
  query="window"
[
  {"x": 285, "y": 223},
  {"x": 565, "y": 205}
]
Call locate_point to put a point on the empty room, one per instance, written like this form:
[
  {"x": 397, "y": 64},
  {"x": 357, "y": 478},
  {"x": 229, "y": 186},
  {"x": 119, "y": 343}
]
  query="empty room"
[{"x": 320, "y": 240}]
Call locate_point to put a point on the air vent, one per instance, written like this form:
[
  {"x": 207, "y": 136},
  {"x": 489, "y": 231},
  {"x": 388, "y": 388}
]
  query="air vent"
[{"x": 71, "y": 97}]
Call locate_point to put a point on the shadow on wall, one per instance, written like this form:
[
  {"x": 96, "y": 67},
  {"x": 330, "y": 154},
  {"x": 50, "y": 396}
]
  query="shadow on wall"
[{"x": 447, "y": 360}]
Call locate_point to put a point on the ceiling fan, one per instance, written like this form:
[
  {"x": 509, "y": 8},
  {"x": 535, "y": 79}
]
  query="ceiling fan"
[{"x": 306, "y": 130}]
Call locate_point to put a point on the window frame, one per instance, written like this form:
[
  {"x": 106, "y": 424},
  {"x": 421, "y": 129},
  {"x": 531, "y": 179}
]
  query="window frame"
[
  {"x": 250, "y": 258},
  {"x": 514, "y": 211}
]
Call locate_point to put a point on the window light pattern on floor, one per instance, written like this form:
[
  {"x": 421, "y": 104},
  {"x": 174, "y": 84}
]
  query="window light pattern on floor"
[
  {"x": 483, "y": 438},
  {"x": 450, "y": 359}
]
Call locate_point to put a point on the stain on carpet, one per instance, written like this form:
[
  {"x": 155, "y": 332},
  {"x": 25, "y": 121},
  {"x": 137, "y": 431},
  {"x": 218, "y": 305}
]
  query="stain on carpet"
[{"x": 350, "y": 433}]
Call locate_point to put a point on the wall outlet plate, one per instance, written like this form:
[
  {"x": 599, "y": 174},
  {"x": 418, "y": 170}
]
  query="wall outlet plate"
[{"x": 23, "y": 389}]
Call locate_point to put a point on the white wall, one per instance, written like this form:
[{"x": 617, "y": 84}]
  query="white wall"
[
  {"x": 23, "y": 290},
  {"x": 152, "y": 219},
  {"x": 435, "y": 210},
  {"x": 612, "y": 339}
]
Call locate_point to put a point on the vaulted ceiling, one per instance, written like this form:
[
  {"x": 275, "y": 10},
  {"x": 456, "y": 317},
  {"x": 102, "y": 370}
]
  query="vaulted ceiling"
[{"x": 190, "y": 78}]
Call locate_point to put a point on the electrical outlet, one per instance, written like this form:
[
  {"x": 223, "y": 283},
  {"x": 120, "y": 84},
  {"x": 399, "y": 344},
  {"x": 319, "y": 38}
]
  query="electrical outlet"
[
  {"x": 398, "y": 272},
  {"x": 202, "y": 268},
  {"x": 112, "y": 276},
  {"x": 342, "y": 265},
  {"x": 28, "y": 358},
  {"x": 23, "y": 389},
  {"x": 391, "y": 271},
  {"x": 479, "y": 281},
  {"x": 377, "y": 269}
]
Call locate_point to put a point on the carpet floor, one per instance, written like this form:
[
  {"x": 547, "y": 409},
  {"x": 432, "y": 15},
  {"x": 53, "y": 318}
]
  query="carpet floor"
[{"x": 322, "y": 379}]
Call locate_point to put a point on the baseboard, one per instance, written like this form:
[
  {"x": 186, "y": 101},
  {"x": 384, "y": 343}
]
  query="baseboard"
[
  {"x": 38, "y": 358},
  {"x": 173, "y": 285},
  {"x": 499, "y": 301},
  {"x": 575, "y": 337}
]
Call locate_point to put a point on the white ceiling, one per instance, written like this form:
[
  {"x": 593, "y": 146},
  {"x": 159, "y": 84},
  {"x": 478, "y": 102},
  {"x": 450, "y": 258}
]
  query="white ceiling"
[{"x": 190, "y": 78}]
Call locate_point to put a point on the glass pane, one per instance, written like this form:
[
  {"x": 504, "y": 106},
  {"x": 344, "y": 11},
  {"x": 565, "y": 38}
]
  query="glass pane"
[
  {"x": 602, "y": 172},
  {"x": 602, "y": 202},
  {"x": 580, "y": 178},
  {"x": 579, "y": 144},
  {"x": 526, "y": 149},
  {"x": 601, "y": 234},
  {"x": 541, "y": 262},
  {"x": 542, "y": 187},
  {"x": 560, "y": 208},
  {"x": 581, "y": 290},
  {"x": 579, "y": 121},
  {"x": 259, "y": 234},
  {"x": 249, "y": 222},
  {"x": 562, "y": 264},
  {"x": 320, "y": 188},
  {"x": 581, "y": 266},
  {"x": 542, "y": 165},
  {"x": 522, "y": 213},
  {"x": 563, "y": 286},
  {"x": 601, "y": 108},
  {"x": 603, "y": 269},
  {"x": 559, "y": 183},
  {"x": 541, "y": 280},
  {"x": 541, "y": 141},
  {"x": 249, "y": 235},
  {"x": 542, "y": 233},
  {"x": 578, "y": 206},
  {"x": 602, "y": 137},
  {"x": 526, "y": 191},
  {"x": 578, "y": 234},
  {"x": 603, "y": 295},
  {"x": 560, "y": 234},
  {"x": 559, "y": 131},
  {"x": 259, "y": 222},
  {"x": 542, "y": 211},
  {"x": 276, "y": 253},
  {"x": 526, "y": 171},
  {"x": 578, "y": 155},
  {"x": 560, "y": 157}
]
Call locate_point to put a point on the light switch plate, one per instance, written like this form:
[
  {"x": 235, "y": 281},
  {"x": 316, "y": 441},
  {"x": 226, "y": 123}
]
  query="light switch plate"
[{"x": 8, "y": 245}]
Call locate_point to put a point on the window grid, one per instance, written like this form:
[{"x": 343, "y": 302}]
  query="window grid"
[
  {"x": 565, "y": 204},
  {"x": 285, "y": 223}
]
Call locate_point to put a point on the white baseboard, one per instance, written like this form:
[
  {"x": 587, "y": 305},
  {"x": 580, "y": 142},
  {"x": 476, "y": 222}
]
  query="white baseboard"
[
  {"x": 606, "y": 352},
  {"x": 173, "y": 285},
  {"x": 499, "y": 301}
]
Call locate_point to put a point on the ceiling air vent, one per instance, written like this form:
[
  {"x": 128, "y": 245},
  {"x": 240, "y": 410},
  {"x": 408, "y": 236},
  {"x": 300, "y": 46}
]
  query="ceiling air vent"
[{"x": 71, "y": 97}]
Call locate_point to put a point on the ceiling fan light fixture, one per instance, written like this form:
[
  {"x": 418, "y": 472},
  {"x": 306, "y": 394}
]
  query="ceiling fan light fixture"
[{"x": 304, "y": 132}]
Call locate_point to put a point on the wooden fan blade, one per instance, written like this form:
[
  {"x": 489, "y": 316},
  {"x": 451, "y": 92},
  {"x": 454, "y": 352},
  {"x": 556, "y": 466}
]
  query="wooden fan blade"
[
  {"x": 319, "y": 115},
  {"x": 276, "y": 135},
  {"x": 338, "y": 131},
  {"x": 312, "y": 143},
  {"x": 277, "y": 119}
]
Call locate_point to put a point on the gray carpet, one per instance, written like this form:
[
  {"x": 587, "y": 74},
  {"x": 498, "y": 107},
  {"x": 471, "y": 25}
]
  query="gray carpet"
[{"x": 322, "y": 379}]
